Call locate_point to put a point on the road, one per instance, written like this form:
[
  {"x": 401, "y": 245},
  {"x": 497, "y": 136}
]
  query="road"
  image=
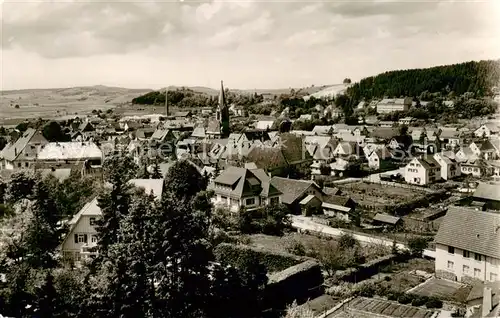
[
  {"x": 375, "y": 177},
  {"x": 304, "y": 223}
]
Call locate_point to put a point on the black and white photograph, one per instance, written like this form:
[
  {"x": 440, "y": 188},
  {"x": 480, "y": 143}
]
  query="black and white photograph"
[{"x": 249, "y": 158}]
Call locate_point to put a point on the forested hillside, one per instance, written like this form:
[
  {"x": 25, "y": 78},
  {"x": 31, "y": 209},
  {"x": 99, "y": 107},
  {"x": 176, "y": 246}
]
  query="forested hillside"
[
  {"x": 457, "y": 79},
  {"x": 181, "y": 98}
]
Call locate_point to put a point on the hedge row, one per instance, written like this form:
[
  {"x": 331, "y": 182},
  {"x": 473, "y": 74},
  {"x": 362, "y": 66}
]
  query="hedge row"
[{"x": 237, "y": 256}]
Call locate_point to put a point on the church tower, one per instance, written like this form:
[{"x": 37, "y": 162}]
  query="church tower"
[{"x": 222, "y": 114}]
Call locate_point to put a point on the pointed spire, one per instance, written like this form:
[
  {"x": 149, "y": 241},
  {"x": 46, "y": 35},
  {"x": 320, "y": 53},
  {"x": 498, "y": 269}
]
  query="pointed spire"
[{"x": 222, "y": 97}]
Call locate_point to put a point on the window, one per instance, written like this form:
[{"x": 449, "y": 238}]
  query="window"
[
  {"x": 477, "y": 272},
  {"x": 250, "y": 201},
  {"x": 466, "y": 254},
  {"x": 465, "y": 269},
  {"x": 94, "y": 239},
  {"x": 478, "y": 257},
  {"x": 26, "y": 165},
  {"x": 80, "y": 238},
  {"x": 493, "y": 277},
  {"x": 19, "y": 165},
  {"x": 450, "y": 265},
  {"x": 451, "y": 250},
  {"x": 275, "y": 200},
  {"x": 92, "y": 221}
]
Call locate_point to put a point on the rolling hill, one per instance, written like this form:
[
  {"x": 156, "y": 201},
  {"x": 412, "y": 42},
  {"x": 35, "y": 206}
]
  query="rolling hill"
[{"x": 55, "y": 102}]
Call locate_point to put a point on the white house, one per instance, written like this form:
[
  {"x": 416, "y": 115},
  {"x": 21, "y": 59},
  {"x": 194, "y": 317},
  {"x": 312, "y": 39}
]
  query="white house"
[
  {"x": 347, "y": 149},
  {"x": 379, "y": 158},
  {"x": 389, "y": 105},
  {"x": 450, "y": 167},
  {"x": 467, "y": 245},
  {"x": 82, "y": 238},
  {"x": 240, "y": 187},
  {"x": 486, "y": 130},
  {"x": 422, "y": 171}
]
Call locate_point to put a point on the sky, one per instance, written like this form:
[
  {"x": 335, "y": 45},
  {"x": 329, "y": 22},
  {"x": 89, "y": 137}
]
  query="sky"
[{"x": 248, "y": 44}]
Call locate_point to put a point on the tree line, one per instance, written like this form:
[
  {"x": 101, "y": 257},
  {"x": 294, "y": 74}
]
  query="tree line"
[{"x": 457, "y": 79}]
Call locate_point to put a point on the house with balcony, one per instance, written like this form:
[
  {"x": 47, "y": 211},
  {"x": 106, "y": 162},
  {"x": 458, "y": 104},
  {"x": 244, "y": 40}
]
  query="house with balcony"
[
  {"x": 422, "y": 171},
  {"x": 237, "y": 187},
  {"x": 467, "y": 246},
  {"x": 81, "y": 241}
]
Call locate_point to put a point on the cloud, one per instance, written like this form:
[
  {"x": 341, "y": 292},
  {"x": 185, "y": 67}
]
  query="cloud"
[{"x": 245, "y": 39}]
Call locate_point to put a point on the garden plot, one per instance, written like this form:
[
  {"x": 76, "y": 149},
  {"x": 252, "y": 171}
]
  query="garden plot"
[
  {"x": 373, "y": 194},
  {"x": 443, "y": 289}
]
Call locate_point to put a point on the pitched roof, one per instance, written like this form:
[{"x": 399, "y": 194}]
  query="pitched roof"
[
  {"x": 15, "y": 150},
  {"x": 386, "y": 218},
  {"x": 242, "y": 180},
  {"x": 292, "y": 189},
  {"x": 471, "y": 230},
  {"x": 487, "y": 191},
  {"x": 323, "y": 130},
  {"x": 69, "y": 151},
  {"x": 383, "y": 153},
  {"x": 199, "y": 132}
]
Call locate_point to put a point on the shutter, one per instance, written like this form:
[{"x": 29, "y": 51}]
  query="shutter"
[
  {"x": 76, "y": 238},
  {"x": 85, "y": 238}
]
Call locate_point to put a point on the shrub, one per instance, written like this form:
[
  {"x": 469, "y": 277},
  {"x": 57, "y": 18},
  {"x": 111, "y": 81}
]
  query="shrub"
[
  {"x": 419, "y": 300},
  {"x": 347, "y": 241},
  {"x": 404, "y": 299},
  {"x": 236, "y": 255},
  {"x": 417, "y": 245},
  {"x": 365, "y": 290},
  {"x": 394, "y": 295},
  {"x": 434, "y": 302},
  {"x": 297, "y": 248}
]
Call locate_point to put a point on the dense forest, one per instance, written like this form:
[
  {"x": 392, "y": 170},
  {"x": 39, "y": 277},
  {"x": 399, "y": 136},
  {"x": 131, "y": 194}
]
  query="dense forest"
[
  {"x": 182, "y": 98},
  {"x": 187, "y": 98},
  {"x": 457, "y": 79}
]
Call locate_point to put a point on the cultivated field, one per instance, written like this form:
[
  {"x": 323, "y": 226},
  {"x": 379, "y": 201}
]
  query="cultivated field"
[
  {"x": 54, "y": 103},
  {"x": 372, "y": 194}
]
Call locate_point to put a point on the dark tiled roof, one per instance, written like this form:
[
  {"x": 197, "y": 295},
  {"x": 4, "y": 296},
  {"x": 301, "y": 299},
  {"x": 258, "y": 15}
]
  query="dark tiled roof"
[
  {"x": 292, "y": 189},
  {"x": 337, "y": 200},
  {"x": 242, "y": 180},
  {"x": 471, "y": 230}
]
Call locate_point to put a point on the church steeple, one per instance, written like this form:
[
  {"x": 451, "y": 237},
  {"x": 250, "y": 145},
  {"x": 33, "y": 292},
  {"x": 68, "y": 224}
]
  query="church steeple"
[
  {"x": 222, "y": 96},
  {"x": 222, "y": 114}
]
